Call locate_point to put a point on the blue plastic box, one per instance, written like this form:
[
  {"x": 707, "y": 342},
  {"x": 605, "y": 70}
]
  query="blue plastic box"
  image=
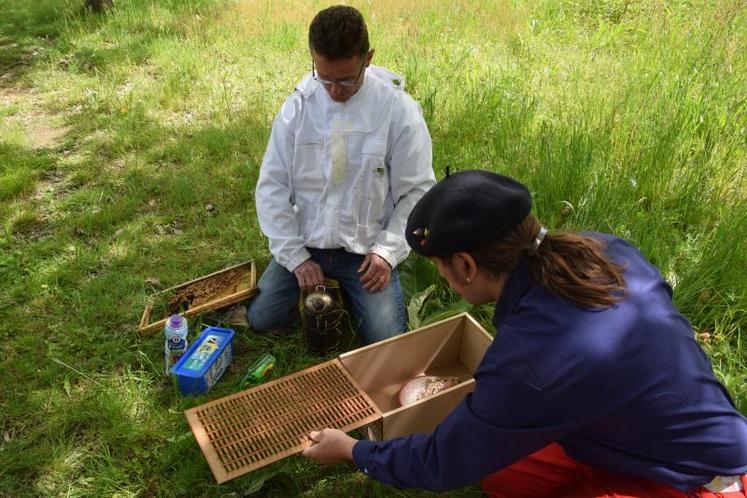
[{"x": 205, "y": 361}]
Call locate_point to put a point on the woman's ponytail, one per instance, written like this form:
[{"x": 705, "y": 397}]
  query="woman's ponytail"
[{"x": 571, "y": 265}]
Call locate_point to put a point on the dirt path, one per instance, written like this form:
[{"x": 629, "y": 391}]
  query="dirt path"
[
  {"x": 37, "y": 123},
  {"x": 23, "y": 111}
]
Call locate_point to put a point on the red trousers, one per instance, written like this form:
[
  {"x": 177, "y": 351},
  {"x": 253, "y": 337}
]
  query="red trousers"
[{"x": 549, "y": 473}]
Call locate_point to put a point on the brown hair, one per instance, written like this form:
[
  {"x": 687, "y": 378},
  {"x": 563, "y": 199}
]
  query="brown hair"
[
  {"x": 570, "y": 265},
  {"x": 339, "y": 32}
]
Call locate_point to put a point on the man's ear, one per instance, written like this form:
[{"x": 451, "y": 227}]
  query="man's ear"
[{"x": 369, "y": 56}]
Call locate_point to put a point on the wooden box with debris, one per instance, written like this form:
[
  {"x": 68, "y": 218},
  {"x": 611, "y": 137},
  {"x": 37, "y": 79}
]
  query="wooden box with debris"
[{"x": 207, "y": 293}]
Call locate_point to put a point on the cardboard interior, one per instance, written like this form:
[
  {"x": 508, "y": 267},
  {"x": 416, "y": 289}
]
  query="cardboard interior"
[{"x": 452, "y": 347}]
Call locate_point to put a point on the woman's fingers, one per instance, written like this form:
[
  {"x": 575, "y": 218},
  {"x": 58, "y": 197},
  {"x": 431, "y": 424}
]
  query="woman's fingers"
[{"x": 329, "y": 446}]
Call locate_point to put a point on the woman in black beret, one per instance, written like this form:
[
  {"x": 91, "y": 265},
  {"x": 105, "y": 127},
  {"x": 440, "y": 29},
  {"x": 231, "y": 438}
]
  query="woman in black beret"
[{"x": 594, "y": 385}]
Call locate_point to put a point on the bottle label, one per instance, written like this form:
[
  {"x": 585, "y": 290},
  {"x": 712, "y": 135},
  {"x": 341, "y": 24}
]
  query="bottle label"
[
  {"x": 176, "y": 343},
  {"x": 174, "y": 349}
]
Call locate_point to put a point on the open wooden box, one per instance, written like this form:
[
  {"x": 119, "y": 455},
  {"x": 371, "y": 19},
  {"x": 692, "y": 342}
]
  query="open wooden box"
[
  {"x": 250, "y": 429},
  {"x": 452, "y": 347},
  {"x": 210, "y": 292}
]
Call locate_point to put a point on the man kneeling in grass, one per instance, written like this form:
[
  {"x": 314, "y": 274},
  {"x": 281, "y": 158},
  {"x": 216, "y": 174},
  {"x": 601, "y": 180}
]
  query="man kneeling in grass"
[{"x": 349, "y": 156}]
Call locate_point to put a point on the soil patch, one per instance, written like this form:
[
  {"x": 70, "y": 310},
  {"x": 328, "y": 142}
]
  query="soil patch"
[{"x": 36, "y": 122}]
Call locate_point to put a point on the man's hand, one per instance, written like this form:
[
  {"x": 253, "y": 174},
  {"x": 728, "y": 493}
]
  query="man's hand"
[
  {"x": 330, "y": 446},
  {"x": 376, "y": 272},
  {"x": 309, "y": 275}
]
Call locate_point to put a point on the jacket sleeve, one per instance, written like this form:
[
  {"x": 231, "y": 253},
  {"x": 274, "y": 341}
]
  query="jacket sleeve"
[
  {"x": 274, "y": 191},
  {"x": 511, "y": 414},
  {"x": 411, "y": 175},
  {"x": 474, "y": 441}
]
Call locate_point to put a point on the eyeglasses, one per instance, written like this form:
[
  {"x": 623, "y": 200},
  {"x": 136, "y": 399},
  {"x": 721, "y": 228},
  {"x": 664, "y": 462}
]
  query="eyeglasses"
[{"x": 346, "y": 83}]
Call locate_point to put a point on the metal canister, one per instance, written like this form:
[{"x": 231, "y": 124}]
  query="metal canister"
[{"x": 322, "y": 316}]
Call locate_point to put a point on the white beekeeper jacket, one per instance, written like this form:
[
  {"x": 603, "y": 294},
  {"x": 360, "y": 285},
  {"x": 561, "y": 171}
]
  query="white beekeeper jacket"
[{"x": 344, "y": 175}]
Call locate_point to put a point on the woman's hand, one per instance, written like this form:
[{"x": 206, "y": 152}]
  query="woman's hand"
[{"x": 330, "y": 446}]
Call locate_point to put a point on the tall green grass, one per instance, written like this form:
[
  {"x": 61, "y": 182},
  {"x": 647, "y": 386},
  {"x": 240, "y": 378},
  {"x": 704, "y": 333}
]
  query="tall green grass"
[{"x": 624, "y": 117}]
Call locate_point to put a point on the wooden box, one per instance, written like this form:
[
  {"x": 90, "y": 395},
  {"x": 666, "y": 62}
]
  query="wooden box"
[{"x": 250, "y": 429}]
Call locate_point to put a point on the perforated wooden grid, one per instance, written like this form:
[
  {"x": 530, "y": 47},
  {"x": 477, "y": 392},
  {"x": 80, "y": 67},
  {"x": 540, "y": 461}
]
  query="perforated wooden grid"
[{"x": 250, "y": 429}]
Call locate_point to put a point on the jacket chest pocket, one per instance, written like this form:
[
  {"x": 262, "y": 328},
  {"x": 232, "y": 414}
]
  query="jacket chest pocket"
[
  {"x": 309, "y": 157},
  {"x": 374, "y": 176},
  {"x": 373, "y": 184}
]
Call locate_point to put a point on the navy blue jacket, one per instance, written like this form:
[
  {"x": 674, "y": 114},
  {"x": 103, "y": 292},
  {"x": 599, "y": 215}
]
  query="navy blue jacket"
[{"x": 627, "y": 389}]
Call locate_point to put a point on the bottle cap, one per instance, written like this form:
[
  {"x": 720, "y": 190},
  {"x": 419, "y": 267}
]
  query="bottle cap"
[{"x": 176, "y": 321}]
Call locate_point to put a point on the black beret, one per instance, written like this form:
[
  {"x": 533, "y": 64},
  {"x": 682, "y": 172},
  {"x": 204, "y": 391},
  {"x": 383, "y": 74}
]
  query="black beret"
[{"x": 465, "y": 210}]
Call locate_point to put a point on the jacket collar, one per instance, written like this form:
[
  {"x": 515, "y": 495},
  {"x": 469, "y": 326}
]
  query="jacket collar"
[
  {"x": 517, "y": 285},
  {"x": 308, "y": 85}
]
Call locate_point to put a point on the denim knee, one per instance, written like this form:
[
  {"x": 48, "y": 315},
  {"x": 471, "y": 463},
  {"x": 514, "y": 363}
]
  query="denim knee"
[
  {"x": 384, "y": 324},
  {"x": 263, "y": 320},
  {"x": 382, "y": 314},
  {"x": 276, "y": 305}
]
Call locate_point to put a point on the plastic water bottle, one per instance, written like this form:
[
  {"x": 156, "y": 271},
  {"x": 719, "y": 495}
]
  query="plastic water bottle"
[{"x": 176, "y": 331}]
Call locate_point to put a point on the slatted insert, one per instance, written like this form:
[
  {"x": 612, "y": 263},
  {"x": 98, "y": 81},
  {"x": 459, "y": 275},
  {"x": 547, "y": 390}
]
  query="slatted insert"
[{"x": 250, "y": 429}]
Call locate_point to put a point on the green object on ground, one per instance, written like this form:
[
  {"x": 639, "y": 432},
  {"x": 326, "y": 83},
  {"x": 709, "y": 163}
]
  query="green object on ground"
[{"x": 258, "y": 371}]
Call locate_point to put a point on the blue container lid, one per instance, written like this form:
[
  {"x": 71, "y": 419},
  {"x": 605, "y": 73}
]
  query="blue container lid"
[{"x": 203, "y": 352}]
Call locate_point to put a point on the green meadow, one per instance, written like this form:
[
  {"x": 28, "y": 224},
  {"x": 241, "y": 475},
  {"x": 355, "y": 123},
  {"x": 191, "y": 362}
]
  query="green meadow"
[{"x": 130, "y": 143}]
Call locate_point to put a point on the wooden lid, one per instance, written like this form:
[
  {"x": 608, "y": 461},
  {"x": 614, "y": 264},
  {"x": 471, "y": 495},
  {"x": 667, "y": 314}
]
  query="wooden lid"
[{"x": 248, "y": 430}]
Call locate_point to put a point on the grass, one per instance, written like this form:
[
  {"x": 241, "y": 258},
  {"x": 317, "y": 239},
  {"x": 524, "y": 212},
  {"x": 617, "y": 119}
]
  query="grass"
[{"x": 118, "y": 131}]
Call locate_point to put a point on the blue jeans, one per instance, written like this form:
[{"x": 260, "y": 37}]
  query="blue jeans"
[{"x": 376, "y": 315}]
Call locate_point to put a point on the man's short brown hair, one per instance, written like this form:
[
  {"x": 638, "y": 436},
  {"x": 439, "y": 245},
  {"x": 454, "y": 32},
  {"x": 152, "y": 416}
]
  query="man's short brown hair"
[{"x": 339, "y": 32}]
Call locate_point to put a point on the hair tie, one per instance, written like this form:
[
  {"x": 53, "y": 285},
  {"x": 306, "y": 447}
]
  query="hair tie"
[{"x": 538, "y": 241}]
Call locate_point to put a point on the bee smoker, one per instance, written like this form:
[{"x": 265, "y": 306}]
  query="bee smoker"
[{"x": 322, "y": 316}]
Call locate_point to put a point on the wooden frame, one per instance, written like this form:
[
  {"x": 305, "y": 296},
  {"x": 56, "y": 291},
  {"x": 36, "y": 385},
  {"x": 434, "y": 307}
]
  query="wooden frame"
[
  {"x": 247, "y": 430},
  {"x": 245, "y": 289}
]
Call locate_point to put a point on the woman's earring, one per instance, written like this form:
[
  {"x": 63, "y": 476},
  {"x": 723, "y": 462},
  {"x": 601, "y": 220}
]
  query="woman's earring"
[{"x": 468, "y": 280}]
